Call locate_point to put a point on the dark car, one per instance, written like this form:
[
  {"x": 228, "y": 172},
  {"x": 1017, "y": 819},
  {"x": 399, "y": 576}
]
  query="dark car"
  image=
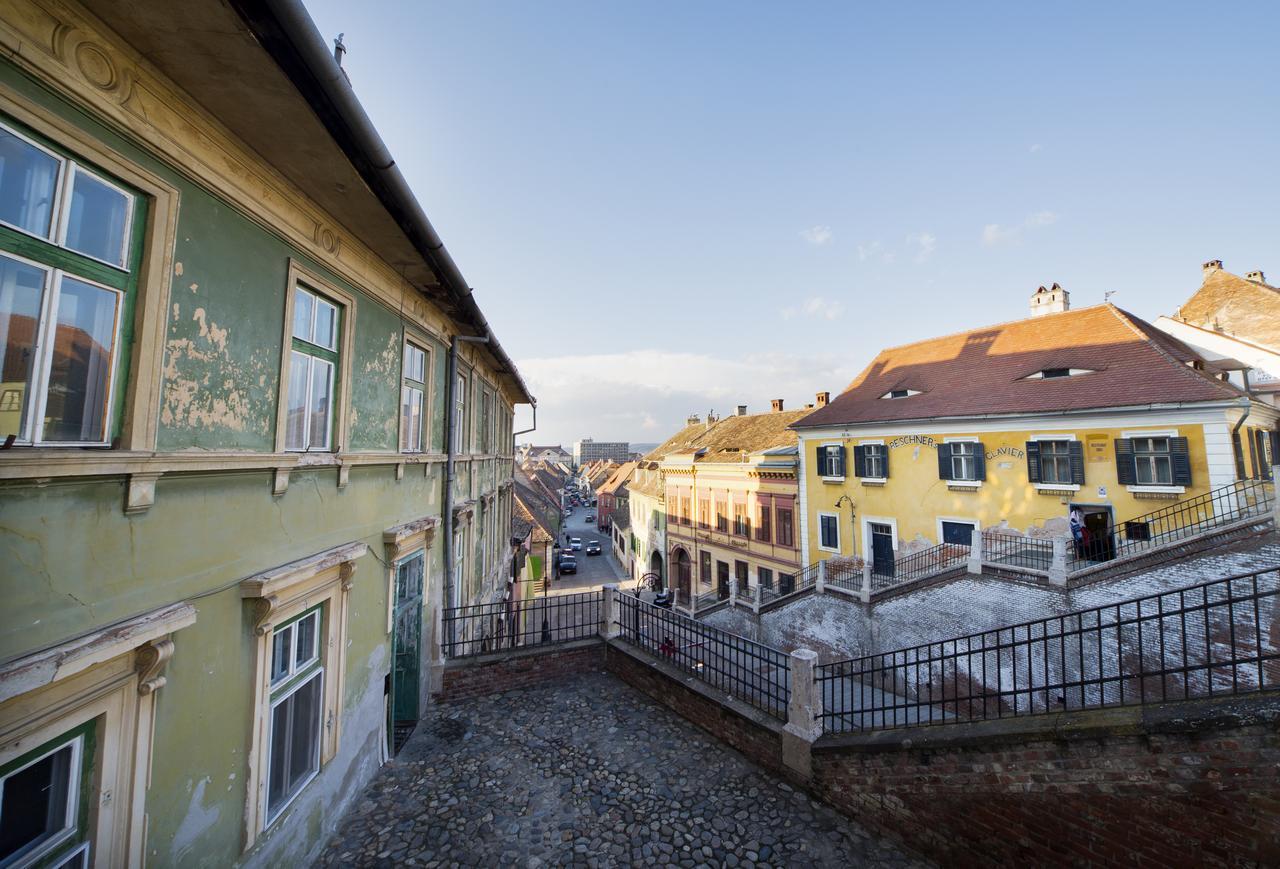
[
  {"x": 568, "y": 564},
  {"x": 590, "y": 518},
  {"x": 593, "y": 548}
]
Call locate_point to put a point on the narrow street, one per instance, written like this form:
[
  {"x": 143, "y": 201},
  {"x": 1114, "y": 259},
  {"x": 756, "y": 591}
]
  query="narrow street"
[{"x": 594, "y": 571}]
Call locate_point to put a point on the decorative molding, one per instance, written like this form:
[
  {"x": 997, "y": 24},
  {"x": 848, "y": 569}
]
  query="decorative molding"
[
  {"x": 344, "y": 475},
  {"x": 280, "y": 481},
  {"x": 274, "y": 590},
  {"x": 140, "y": 493},
  {"x": 153, "y": 658},
  {"x": 399, "y": 471}
]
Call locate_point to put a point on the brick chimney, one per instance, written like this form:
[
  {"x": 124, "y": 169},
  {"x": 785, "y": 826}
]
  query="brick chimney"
[
  {"x": 824, "y": 398},
  {"x": 777, "y": 405},
  {"x": 1257, "y": 277},
  {"x": 1213, "y": 265}
]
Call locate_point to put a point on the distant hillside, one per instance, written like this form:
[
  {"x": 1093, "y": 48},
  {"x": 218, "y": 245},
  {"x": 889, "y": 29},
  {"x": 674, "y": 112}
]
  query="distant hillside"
[{"x": 643, "y": 449}]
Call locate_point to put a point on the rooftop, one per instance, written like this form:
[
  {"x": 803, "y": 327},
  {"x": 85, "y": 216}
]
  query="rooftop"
[{"x": 1244, "y": 308}]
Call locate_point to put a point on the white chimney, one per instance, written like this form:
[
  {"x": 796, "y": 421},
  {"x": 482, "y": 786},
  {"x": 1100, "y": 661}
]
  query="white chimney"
[
  {"x": 742, "y": 410},
  {"x": 1257, "y": 277},
  {"x": 1213, "y": 265},
  {"x": 1054, "y": 300}
]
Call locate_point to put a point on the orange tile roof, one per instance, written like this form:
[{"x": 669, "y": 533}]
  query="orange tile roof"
[
  {"x": 1238, "y": 307},
  {"x": 983, "y": 371}
]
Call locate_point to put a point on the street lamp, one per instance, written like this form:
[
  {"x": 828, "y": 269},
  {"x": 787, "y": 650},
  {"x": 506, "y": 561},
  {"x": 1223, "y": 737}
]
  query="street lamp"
[{"x": 853, "y": 523}]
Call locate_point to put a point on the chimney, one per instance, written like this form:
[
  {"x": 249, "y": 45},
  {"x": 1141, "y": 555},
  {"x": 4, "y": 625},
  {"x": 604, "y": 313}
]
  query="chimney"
[
  {"x": 777, "y": 405},
  {"x": 1213, "y": 265},
  {"x": 742, "y": 410},
  {"x": 824, "y": 398},
  {"x": 808, "y": 406},
  {"x": 1054, "y": 300},
  {"x": 693, "y": 419},
  {"x": 1257, "y": 277}
]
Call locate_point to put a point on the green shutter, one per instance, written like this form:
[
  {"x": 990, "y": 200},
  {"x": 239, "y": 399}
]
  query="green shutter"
[
  {"x": 1181, "y": 460},
  {"x": 859, "y": 461},
  {"x": 1076, "y": 451},
  {"x": 944, "y": 461},
  {"x": 1033, "y": 462},
  {"x": 1126, "y": 472},
  {"x": 886, "y": 460},
  {"x": 980, "y": 461}
]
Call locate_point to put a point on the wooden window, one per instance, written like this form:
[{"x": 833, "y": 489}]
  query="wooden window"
[
  {"x": 1153, "y": 460},
  {"x": 741, "y": 525},
  {"x": 296, "y": 717},
  {"x": 313, "y": 371},
  {"x": 704, "y": 514},
  {"x": 459, "y": 413},
  {"x": 486, "y": 422},
  {"x": 722, "y": 521},
  {"x": 764, "y": 527},
  {"x": 829, "y": 531},
  {"x": 1055, "y": 462},
  {"x": 961, "y": 461},
  {"x": 831, "y": 460},
  {"x": 704, "y": 565},
  {"x": 871, "y": 461},
  {"x": 47, "y": 795},
  {"x": 413, "y": 398},
  {"x": 1261, "y": 461},
  {"x": 786, "y": 533},
  {"x": 70, "y": 246}
]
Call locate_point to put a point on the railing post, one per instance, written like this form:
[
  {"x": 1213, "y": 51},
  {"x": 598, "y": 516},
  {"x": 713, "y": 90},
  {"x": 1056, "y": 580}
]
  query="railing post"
[
  {"x": 1275, "y": 497},
  {"x": 865, "y": 591},
  {"x": 733, "y": 592},
  {"x": 609, "y": 612},
  {"x": 804, "y": 714},
  {"x": 1058, "y": 566},
  {"x": 820, "y": 584},
  {"x": 975, "y": 552},
  {"x": 435, "y": 650}
]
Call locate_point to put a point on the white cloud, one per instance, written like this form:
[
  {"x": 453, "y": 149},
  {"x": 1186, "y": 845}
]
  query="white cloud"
[
  {"x": 1036, "y": 148},
  {"x": 816, "y": 234},
  {"x": 924, "y": 244},
  {"x": 867, "y": 251},
  {"x": 994, "y": 233},
  {"x": 815, "y": 306},
  {"x": 622, "y": 395}
]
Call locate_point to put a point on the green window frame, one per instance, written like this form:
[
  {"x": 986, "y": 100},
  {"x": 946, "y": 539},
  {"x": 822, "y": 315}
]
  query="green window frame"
[
  {"x": 315, "y": 370},
  {"x": 70, "y": 842},
  {"x": 297, "y": 691},
  {"x": 65, "y": 382}
]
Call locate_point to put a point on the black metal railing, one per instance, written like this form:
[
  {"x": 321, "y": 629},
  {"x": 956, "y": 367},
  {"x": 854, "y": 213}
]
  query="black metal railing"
[
  {"x": 708, "y": 599},
  {"x": 1217, "y": 638},
  {"x": 1017, "y": 551},
  {"x": 803, "y": 580},
  {"x": 844, "y": 573},
  {"x": 535, "y": 621},
  {"x": 1222, "y": 506},
  {"x": 752, "y": 672},
  {"x": 919, "y": 565}
]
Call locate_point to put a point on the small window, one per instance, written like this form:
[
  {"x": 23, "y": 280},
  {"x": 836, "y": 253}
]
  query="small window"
[
  {"x": 459, "y": 413},
  {"x": 1056, "y": 373},
  {"x": 786, "y": 531},
  {"x": 900, "y": 393},
  {"x": 829, "y": 530},
  {"x": 831, "y": 461},
  {"x": 313, "y": 365},
  {"x": 741, "y": 527},
  {"x": 763, "y": 525},
  {"x": 1055, "y": 462},
  {"x": 875, "y": 462},
  {"x": 964, "y": 461},
  {"x": 704, "y": 566},
  {"x": 722, "y": 521},
  {"x": 1153, "y": 463},
  {"x": 413, "y": 393}
]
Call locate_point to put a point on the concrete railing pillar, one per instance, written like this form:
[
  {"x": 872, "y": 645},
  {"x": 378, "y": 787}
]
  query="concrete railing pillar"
[
  {"x": 1275, "y": 497},
  {"x": 865, "y": 591},
  {"x": 435, "y": 651},
  {"x": 975, "y": 553},
  {"x": 820, "y": 585},
  {"x": 804, "y": 714},
  {"x": 609, "y": 612},
  {"x": 1058, "y": 566},
  {"x": 733, "y": 591}
]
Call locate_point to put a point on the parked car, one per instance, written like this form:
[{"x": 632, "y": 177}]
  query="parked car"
[
  {"x": 593, "y": 548},
  {"x": 590, "y": 518},
  {"x": 575, "y": 543},
  {"x": 568, "y": 564}
]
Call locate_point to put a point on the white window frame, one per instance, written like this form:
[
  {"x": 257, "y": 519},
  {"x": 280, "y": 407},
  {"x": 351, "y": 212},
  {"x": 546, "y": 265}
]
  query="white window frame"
[
  {"x": 822, "y": 472},
  {"x": 1054, "y": 487},
  {"x": 874, "y": 443},
  {"x": 969, "y": 483},
  {"x": 461, "y": 386},
  {"x": 836, "y": 517},
  {"x": 37, "y": 397},
  {"x": 1154, "y": 488},
  {"x": 957, "y": 520},
  {"x": 71, "y": 821},
  {"x": 318, "y": 673},
  {"x": 407, "y": 385}
]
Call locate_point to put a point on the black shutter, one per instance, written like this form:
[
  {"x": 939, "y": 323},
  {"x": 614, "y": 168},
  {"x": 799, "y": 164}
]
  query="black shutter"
[
  {"x": 944, "y": 461},
  {"x": 1126, "y": 472},
  {"x": 839, "y": 460},
  {"x": 885, "y": 452},
  {"x": 1181, "y": 461},
  {"x": 980, "y": 461},
  {"x": 1033, "y": 462},
  {"x": 822, "y": 461},
  {"x": 1077, "y": 462},
  {"x": 859, "y": 461}
]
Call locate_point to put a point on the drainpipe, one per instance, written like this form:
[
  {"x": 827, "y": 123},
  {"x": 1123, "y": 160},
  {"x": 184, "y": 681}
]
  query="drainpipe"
[
  {"x": 1247, "y": 404},
  {"x": 450, "y": 466}
]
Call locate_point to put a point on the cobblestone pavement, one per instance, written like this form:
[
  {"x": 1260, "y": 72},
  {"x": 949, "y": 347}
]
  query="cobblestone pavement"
[{"x": 586, "y": 773}]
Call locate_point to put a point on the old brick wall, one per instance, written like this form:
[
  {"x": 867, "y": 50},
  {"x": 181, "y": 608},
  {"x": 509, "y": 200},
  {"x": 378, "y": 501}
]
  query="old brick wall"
[
  {"x": 492, "y": 674},
  {"x": 750, "y": 731},
  {"x": 1195, "y": 784}
]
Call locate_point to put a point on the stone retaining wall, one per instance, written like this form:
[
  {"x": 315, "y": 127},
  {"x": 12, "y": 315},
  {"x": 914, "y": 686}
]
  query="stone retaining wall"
[
  {"x": 1193, "y": 783},
  {"x": 506, "y": 671}
]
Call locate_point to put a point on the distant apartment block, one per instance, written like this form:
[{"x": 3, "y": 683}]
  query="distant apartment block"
[{"x": 586, "y": 451}]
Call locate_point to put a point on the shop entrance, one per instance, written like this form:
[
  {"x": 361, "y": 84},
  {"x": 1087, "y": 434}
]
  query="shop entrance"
[{"x": 1097, "y": 541}]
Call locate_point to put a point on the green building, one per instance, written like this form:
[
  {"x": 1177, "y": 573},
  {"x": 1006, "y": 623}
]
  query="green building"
[{"x": 254, "y": 434}]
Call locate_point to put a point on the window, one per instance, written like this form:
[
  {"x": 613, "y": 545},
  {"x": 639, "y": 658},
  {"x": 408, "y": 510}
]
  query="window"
[
  {"x": 829, "y": 531},
  {"x": 296, "y": 691},
  {"x": 704, "y": 567},
  {"x": 741, "y": 527},
  {"x": 740, "y": 574},
  {"x": 786, "y": 534},
  {"x": 900, "y": 393},
  {"x": 961, "y": 461},
  {"x": 413, "y": 391},
  {"x": 1057, "y": 462},
  {"x": 722, "y": 521},
  {"x": 44, "y": 805},
  {"x": 313, "y": 362},
  {"x": 786, "y": 583},
  {"x": 765, "y": 577},
  {"x": 763, "y": 525},
  {"x": 1237, "y": 451},
  {"x": 459, "y": 413},
  {"x": 685, "y": 518},
  {"x": 831, "y": 461},
  {"x": 486, "y": 422},
  {"x": 68, "y": 275},
  {"x": 1153, "y": 466},
  {"x": 1054, "y": 373},
  {"x": 1262, "y": 462},
  {"x": 959, "y": 533},
  {"x": 704, "y": 514},
  {"x": 872, "y": 461}
]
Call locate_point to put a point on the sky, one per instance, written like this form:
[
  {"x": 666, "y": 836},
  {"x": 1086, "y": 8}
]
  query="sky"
[{"x": 669, "y": 208}]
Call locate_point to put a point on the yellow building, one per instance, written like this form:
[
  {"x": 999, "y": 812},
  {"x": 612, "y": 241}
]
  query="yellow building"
[
  {"x": 1014, "y": 426},
  {"x": 731, "y": 490}
]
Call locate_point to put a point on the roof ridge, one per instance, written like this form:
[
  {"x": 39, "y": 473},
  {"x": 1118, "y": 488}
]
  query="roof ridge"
[
  {"x": 992, "y": 326},
  {"x": 1127, "y": 319}
]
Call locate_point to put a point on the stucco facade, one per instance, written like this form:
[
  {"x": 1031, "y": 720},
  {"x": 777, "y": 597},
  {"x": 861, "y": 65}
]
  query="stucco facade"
[{"x": 150, "y": 582}]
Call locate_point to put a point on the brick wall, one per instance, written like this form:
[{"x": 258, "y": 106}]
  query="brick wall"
[
  {"x": 492, "y": 674},
  {"x": 1192, "y": 784},
  {"x": 751, "y": 732}
]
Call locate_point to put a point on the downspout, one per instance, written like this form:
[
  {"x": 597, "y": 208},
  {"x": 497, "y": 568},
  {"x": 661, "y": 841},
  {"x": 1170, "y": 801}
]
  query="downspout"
[
  {"x": 450, "y": 436},
  {"x": 1237, "y": 448}
]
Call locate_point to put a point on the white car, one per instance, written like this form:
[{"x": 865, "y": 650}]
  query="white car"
[{"x": 575, "y": 543}]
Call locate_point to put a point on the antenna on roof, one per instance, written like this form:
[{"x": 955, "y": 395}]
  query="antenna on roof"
[
  {"x": 339, "y": 49},
  {"x": 1106, "y": 296}
]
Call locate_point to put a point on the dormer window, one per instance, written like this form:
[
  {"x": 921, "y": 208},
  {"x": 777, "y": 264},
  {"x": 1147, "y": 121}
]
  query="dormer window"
[
  {"x": 900, "y": 393},
  {"x": 1056, "y": 373}
]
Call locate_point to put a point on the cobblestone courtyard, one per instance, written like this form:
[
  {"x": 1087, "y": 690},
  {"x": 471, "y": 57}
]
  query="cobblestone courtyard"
[{"x": 592, "y": 773}]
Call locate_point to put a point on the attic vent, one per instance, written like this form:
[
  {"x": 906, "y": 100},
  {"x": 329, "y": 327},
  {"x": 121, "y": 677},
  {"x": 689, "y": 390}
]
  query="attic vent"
[
  {"x": 900, "y": 393},
  {"x": 1055, "y": 373}
]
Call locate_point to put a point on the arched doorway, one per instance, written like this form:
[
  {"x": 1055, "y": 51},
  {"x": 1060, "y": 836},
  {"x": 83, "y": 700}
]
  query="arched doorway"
[
  {"x": 684, "y": 575},
  {"x": 655, "y": 567}
]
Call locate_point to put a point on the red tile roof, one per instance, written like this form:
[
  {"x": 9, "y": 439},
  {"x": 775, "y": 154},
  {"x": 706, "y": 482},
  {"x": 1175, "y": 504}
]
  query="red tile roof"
[{"x": 983, "y": 371}]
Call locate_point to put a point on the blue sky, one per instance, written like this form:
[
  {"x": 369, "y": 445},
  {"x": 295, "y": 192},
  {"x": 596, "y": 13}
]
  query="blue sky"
[{"x": 671, "y": 207}]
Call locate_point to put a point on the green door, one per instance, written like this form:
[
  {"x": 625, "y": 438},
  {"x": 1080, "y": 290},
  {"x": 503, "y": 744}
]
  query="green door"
[{"x": 408, "y": 649}]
